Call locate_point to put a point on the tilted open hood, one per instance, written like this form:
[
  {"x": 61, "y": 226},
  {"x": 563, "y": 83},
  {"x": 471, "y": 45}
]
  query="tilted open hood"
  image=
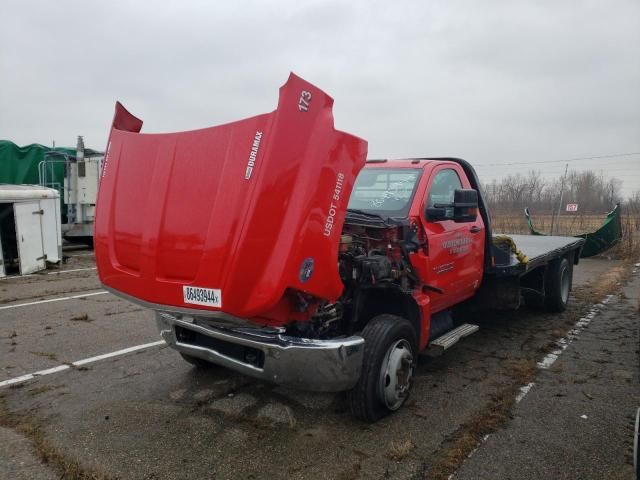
[{"x": 228, "y": 218}]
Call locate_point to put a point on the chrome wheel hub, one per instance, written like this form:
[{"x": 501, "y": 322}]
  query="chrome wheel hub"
[
  {"x": 564, "y": 285},
  {"x": 396, "y": 374}
]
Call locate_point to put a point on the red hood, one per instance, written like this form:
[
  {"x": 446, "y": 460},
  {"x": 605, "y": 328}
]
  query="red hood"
[{"x": 250, "y": 208}]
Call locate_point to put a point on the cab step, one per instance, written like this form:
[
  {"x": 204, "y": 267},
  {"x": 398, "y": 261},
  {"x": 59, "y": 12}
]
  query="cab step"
[{"x": 449, "y": 339}]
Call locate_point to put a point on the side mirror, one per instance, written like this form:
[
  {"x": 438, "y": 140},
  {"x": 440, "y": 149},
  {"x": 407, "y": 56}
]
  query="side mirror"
[
  {"x": 436, "y": 214},
  {"x": 465, "y": 205}
]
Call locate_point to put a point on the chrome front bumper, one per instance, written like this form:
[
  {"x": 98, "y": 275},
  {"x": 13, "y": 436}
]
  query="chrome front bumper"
[{"x": 267, "y": 354}]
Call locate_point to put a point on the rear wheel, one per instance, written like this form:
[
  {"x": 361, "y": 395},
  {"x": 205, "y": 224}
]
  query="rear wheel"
[
  {"x": 558, "y": 285},
  {"x": 390, "y": 353},
  {"x": 196, "y": 362}
]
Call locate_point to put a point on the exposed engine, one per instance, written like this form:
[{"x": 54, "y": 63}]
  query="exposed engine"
[
  {"x": 372, "y": 256},
  {"x": 369, "y": 258}
]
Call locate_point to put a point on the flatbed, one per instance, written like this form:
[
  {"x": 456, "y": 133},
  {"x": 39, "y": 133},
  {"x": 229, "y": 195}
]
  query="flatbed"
[{"x": 538, "y": 250}]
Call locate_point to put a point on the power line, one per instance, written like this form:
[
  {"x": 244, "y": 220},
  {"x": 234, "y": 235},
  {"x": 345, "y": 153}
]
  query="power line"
[
  {"x": 621, "y": 175},
  {"x": 478, "y": 165},
  {"x": 546, "y": 171},
  {"x": 615, "y": 161},
  {"x": 610, "y": 167},
  {"x": 607, "y": 172},
  {"x": 613, "y": 155}
]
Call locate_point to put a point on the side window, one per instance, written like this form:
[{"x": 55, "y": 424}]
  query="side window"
[{"x": 445, "y": 183}]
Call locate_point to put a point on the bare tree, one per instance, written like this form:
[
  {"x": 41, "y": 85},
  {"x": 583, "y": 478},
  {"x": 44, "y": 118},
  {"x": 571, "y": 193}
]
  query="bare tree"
[{"x": 594, "y": 192}]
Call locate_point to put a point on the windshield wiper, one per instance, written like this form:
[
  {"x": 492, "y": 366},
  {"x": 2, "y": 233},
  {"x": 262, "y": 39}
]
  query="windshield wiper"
[{"x": 367, "y": 214}]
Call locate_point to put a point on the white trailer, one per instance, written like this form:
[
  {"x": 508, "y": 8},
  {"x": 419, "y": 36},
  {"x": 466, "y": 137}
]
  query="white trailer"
[
  {"x": 30, "y": 228},
  {"x": 79, "y": 190}
]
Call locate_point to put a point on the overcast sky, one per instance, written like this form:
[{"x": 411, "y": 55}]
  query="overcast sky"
[{"x": 496, "y": 82}]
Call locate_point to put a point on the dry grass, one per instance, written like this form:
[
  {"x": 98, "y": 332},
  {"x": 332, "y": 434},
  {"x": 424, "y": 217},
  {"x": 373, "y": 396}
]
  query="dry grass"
[
  {"x": 566, "y": 224},
  {"x": 488, "y": 419},
  {"x": 629, "y": 246},
  {"x": 470, "y": 434},
  {"x": 605, "y": 284},
  {"x": 400, "y": 450},
  {"x": 574, "y": 224},
  {"x": 521, "y": 370},
  {"x": 49, "y": 454}
]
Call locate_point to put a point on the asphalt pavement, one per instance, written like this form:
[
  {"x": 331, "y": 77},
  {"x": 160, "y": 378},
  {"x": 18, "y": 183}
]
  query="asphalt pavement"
[
  {"x": 143, "y": 413},
  {"x": 576, "y": 421}
]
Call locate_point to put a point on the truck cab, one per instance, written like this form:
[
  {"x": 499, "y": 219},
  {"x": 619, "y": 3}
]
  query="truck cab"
[{"x": 421, "y": 192}]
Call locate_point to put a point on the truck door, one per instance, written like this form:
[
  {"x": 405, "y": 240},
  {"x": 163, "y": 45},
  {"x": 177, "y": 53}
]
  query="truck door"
[
  {"x": 51, "y": 234},
  {"x": 29, "y": 236},
  {"x": 456, "y": 250}
]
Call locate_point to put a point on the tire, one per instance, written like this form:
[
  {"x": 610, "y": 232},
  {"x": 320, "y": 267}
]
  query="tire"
[
  {"x": 196, "y": 362},
  {"x": 390, "y": 343},
  {"x": 558, "y": 285}
]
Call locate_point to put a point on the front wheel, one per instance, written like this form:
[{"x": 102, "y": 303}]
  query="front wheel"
[{"x": 390, "y": 353}]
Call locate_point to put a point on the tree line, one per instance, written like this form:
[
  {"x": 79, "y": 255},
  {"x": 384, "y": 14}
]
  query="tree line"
[{"x": 594, "y": 193}]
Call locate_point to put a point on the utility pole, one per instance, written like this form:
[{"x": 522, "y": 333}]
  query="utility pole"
[{"x": 564, "y": 178}]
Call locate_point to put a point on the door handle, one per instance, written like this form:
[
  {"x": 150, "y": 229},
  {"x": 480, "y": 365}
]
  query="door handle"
[
  {"x": 475, "y": 229},
  {"x": 432, "y": 288}
]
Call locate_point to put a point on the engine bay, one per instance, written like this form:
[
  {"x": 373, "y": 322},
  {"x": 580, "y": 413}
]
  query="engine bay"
[{"x": 371, "y": 259}]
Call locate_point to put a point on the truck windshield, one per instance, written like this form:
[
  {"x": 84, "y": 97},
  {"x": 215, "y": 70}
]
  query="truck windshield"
[{"x": 384, "y": 191}]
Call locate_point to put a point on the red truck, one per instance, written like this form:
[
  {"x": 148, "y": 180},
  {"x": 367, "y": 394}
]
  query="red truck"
[{"x": 270, "y": 246}]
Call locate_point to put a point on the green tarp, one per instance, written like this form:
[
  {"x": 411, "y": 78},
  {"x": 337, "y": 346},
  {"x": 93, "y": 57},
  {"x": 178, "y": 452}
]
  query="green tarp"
[
  {"x": 19, "y": 165},
  {"x": 599, "y": 241}
]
